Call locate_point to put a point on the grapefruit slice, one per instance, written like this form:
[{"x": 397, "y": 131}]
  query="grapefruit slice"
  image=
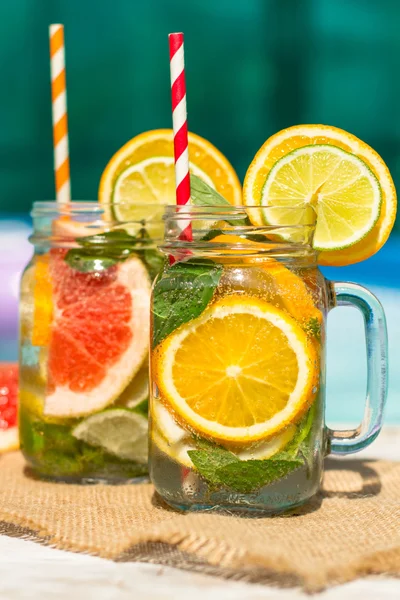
[
  {"x": 8, "y": 407},
  {"x": 99, "y": 335}
]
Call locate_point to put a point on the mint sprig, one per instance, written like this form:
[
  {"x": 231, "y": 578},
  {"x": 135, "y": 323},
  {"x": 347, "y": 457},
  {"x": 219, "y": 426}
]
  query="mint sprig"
[
  {"x": 210, "y": 462},
  {"x": 247, "y": 476},
  {"x": 58, "y": 453},
  {"x": 202, "y": 194},
  {"x": 103, "y": 250},
  {"x": 222, "y": 468},
  {"x": 181, "y": 294},
  {"x": 303, "y": 432}
]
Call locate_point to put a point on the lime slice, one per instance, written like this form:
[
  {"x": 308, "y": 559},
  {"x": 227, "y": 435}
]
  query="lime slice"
[
  {"x": 151, "y": 181},
  {"x": 137, "y": 390},
  {"x": 118, "y": 431},
  {"x": 340, "y": 186}
]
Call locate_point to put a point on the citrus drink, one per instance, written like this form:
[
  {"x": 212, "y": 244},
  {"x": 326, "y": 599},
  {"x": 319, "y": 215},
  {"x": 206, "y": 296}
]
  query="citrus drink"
[
  {"x": 237, "y": 372},
  {"x": 84, "y": 346}
]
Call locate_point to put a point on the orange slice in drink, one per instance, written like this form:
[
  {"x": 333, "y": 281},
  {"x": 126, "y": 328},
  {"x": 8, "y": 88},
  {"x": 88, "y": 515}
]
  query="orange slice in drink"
[
  {"x": 293, "y": 293},
  {"x": 142, "y": 173},
  {"x": 243, "y": 371},
  {"x": 345, "y": 180},
  {"x": 43, "y": 302}
]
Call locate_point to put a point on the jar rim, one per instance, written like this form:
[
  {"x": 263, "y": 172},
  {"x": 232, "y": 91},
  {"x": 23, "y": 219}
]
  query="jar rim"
[
  {"x": 258, "y": 214},
  {"x": 64, "y": 224},
  {"x": 246, "y": 230},
  {"x": 44, "y": 207}
]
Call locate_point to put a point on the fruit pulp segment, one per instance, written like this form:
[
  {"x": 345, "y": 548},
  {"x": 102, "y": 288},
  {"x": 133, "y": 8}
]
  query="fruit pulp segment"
[
  {"x": 229, "y": 372},
  {"x": 94, "y": 328}
]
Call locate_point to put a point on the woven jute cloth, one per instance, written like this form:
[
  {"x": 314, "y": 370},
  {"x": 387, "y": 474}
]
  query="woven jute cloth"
[{"x": 351, "y": 528}]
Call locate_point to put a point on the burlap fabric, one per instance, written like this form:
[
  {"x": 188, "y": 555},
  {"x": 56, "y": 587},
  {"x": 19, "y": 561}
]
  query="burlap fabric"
[{"x": 352, "y": 528}]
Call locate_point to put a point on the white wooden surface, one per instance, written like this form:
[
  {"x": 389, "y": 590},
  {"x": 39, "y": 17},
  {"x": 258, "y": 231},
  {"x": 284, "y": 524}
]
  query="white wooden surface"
[{"x": 31, "y": 571}]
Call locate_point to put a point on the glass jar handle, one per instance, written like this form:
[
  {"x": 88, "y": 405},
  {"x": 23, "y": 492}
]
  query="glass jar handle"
[{"x": 353, "y": 440}]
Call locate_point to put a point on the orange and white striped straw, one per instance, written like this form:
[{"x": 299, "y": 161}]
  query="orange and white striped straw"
[{"x": 59, "y": 112}]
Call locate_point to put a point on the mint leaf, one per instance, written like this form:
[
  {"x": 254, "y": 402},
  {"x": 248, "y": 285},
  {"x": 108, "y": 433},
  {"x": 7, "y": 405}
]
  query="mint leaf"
[
  {"x": 203, "y": 194},
  {"x": 247, "y": 476},
  {"x": 103, "y": 250},
  {"x": 212, "y": 233},
  {"x": 142, "y": 408},
  {"x": 56, "y": 452},
  {"x": 314, "y": 328},
  {"x": 153, "y": 260},
  {"x": 208, "y": 463},
  {"x": 303, "y": 430},
  {"x": 301, "y": 446},
  {"x": 82, "y": 261},
  {"x": 181, "y": 294},
  {"x": 306, "y": 451},
  {"x": 222, "y": 468},
  {"x": 117, "y": 244},
  {"x": 254, "y": 237}
]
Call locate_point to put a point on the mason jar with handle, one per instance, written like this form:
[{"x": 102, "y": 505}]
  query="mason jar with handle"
[{"x": 237, "y": 397}]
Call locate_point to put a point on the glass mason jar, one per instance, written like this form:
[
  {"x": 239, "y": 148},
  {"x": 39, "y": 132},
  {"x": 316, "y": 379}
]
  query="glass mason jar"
[
  {"x": 238, "y": 361},
  {"x": 84, "y": 341}
]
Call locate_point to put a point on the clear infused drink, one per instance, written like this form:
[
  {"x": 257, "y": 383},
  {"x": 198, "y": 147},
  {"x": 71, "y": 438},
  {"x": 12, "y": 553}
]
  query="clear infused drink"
[
  {"x": 237, "y": 401},
  {"x": 84, "y": 344},
  {"x": 238, "y": 361}
]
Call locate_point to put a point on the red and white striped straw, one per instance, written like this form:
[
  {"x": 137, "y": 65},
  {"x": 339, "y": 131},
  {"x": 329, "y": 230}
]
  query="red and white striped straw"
[
  {"x": 59, "y": 112},
  {"x": 179, "y": 121}
]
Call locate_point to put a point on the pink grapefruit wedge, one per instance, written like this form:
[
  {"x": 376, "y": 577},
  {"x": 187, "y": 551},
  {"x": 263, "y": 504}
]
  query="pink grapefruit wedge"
[
  {"x": 99, "y": 334},
  {"x": 8, "y": 407}
]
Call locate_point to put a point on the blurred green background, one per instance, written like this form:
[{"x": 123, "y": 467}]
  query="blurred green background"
[{"x": 253, "y": 67}]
